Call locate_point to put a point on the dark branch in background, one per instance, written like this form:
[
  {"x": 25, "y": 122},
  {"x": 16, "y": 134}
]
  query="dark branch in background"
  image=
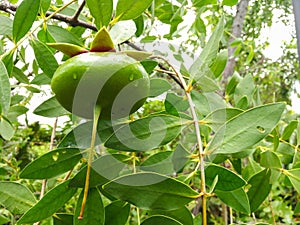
[
  {"x": 236, "y": 32},
  {"x": 77, "y": 13},
  {"x": 74, "y": 22}
]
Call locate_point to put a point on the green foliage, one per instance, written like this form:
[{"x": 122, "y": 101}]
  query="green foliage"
[{"x": 196, "y": 140}]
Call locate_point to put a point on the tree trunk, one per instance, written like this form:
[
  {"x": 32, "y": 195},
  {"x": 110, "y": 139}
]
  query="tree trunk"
[{"x": 236, "y": 32}]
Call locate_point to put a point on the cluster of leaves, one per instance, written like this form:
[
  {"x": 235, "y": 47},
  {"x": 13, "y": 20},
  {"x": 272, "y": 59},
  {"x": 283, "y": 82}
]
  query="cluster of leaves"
[{"x": 147, "y": 170}]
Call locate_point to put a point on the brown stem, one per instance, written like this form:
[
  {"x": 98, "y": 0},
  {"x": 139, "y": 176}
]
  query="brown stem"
[{"x": 77, "y": 13}]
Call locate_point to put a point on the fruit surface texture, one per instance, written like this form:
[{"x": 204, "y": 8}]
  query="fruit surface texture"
[{"x": 115, "y": 82}]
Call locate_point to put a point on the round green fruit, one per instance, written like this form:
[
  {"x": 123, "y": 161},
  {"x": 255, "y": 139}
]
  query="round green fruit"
[{"x": 115, "y": 82}]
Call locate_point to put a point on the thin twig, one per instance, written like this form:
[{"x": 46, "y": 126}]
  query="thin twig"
[
  {"x": 198, "y": 135},
  {"x": 77, "y": 13}
]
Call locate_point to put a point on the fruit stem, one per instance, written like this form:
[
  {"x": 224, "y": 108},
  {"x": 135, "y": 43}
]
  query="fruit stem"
[{"x": 97, "y": 112}]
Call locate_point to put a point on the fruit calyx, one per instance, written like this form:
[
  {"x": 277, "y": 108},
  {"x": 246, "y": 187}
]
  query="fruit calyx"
[{"x": 101, "y": 43}]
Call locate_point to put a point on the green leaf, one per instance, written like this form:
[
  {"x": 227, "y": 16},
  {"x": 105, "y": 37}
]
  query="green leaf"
[
  {"x": 289, "y": 129},
  {"x": 230, "y": 2},
  {"x": 7, "y": 130},
  {"x": 218, "y": 117},
  {"x": 45, "y": 5},
  {"x": 103, "y": 169},
  {"x": 206, "y": 103},
  {"x": 236, "y": 199},
  {"x": 154, "y": 220},
  {"x": 68, "y": 49},
  {"x": 260, "y": 188},
  {"x": 220, "y": 63},
  {"x": 5, "y": 25},
  {"x": 201, "y": 3},
  {"x": 4, "y": 220},
  {"x": 101, "y": 10},
  {"x": 227, "y": 180},
  {"x": 175, "y": 104},
  {"x": 139, "y": 23},
  {"x": 61, "y": 35},
  {"x": 146, "y": 133},
  {"x": 182, "y": 215},
  {"x": 25, "y": 15},
  {"x": 208, "y": 53},
  {"x": 80, "y": 136},
  {"x": 245, "y": 87},
  {"x": 52, "y": 164},
  {"x": 131, "y": 9},
  {"x": 206, "y": 83},
  {"x": 149, "y": 65},
  {"x": 63, "y": 219},
  {"x": 93, "y": 211},
  {"x": 269, "y": 159},
  {"x": 122, "y": 31},
  {"x": 7, "y": 59},
  {"x": 44, "y": 57},
  {"x": 4, "y": 89},
  {"x": 158, "y": 86},
  {"x": 256, "y": 123},
  {"x": 160, "y": 162},
  {"x": 16, "y": 111},
  {"x": 151, "y": 191},
  {"x": 19, "y": 75},
  {"x": 102, "y": 42},
  {"x": 50, "y": 108},
  {"x": 15, "y": 197},
  {"x": 294, "y": 177},
  {"x": 49, "y": 204},
  {"x": 119, "y": 208}
]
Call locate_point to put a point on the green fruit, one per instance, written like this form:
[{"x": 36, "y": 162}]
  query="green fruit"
[{"x": 113, "y": 81}]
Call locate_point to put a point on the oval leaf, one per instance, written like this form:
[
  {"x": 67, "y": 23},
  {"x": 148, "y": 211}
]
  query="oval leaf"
[
  {"x": 209, "y": 52},
  {"x": 52, "y": 164},
  {"x": 5, "y": 25},
  {"x": 49, "y": 204},
  {"x": 50, "y": 108},
  {"x": 94, "y": 209},
  {"x": 119, "y": 208},
  {"x": 101, "y": 10},
  {"x": 62, "y": 219},
  {"x": 7, "y": 130},
  {"x": 146, "y": 133},
  {"x": 15, "y": 197},
  {"x": 61, "y": 35},
  {"x": 151, "y": 191},
  {"x": 158, "y": 86},
  {"x": 236, "y": 199},
  {"x": 161, "y": 220},
  {"x": 103, "y": 169},
  {"x": 260, "y": 188},
  {"x": 44, "y": 58},
  {"x": 257, "y": 123},
  {"x": 131, "y": 9},
  {"x": 25, "y": 15},
  {"x": 294, "y": 177},
  {"x": 4, "y": 89},
  {"x": 227, "y": 180},
  {"x": 122, "y": 31},
  {"x": 182, "y": 215}
]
